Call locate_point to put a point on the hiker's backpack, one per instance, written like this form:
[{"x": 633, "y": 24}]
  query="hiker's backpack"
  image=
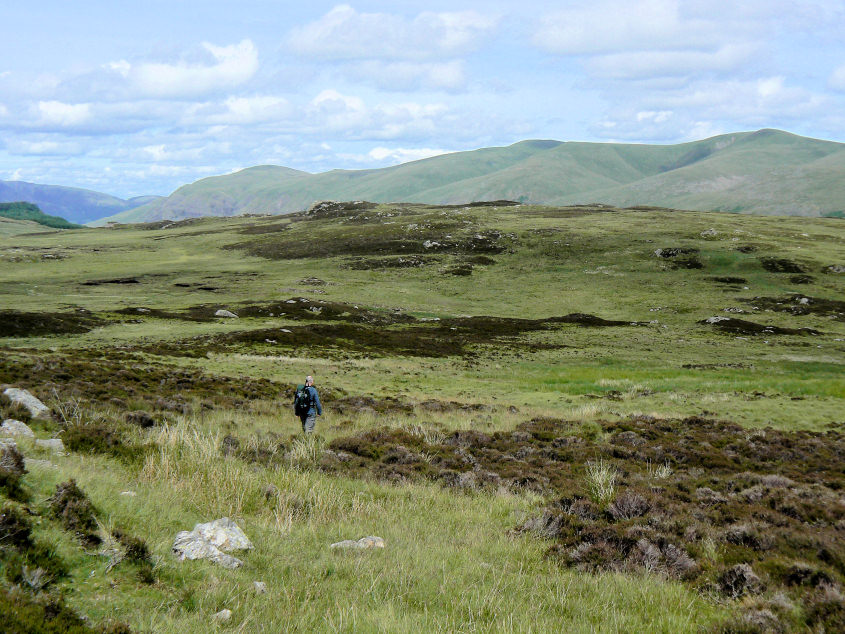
[{"x": 301, "y": 401}]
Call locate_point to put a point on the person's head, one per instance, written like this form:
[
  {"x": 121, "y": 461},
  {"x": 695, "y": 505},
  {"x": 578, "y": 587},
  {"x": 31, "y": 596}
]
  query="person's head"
[{"x": 309, "y": 380}]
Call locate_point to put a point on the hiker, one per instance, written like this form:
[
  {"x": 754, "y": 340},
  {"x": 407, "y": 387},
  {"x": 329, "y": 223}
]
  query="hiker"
[{"x": 306, "y": 404}]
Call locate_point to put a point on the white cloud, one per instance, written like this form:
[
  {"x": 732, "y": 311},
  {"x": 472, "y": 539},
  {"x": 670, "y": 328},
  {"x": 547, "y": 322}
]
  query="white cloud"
[
  {"x": 227, "y": 67},
  {"x": 669, "y": 63},
  {"x": 657, "y": 117},
  {"x": 344, "y": 33},
  {"x": 179, "y": 152},
  {"x": 837, "y": 79},
  {"x": 57, "y": 113},
  {"x": 3, "y": 110},
  {"x": 44, "y": 147},
  {"x": 255, "y": 109},
  {"x": 615, "y": 25},
  {"x": 403, "y": 155},
  {"x": 408, "y": 76},
  {"x": 709, "y": 107}
]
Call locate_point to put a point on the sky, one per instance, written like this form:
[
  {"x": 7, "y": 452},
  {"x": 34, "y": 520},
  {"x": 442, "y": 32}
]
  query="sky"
[{"x": 141, "y": 98}]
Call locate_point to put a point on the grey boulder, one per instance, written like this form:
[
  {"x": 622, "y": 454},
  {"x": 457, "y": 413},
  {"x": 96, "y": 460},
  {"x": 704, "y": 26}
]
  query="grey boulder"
[
  {"x": 53, "y": 444},
  {"x": 36, "y": 408},
  {"x": 210, "y": 540},
  {"x": 225, "y": 313},
  {"x": 11, "y": 427}
]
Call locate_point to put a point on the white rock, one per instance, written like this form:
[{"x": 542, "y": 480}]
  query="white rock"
[
  {"x": 716, "y": 320},
  {"x": 224, "y": 534},
  {"x": 709, "y": 233},
  {"x": 130, "y": 494},
  {"x": 53, "y": 444},
  {"x": 11, "y": 427},
  {"x": 259, "y": 587},
  {"x": 225, "y": 313},
  {"x": 364, "y": 543},
  {"x": 223, "y": 616},
  {"x": 208, "y": 541},
  {"x": 36, "y": 408}
]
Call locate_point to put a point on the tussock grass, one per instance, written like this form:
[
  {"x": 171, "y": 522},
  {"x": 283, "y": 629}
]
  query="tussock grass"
[{"x": 601, "y": 481}]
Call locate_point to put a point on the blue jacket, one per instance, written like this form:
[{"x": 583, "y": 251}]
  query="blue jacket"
[{"x": 315, "y": 401}]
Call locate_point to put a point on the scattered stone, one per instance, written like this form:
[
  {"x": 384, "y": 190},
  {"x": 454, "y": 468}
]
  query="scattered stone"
[
  {"x": 11, "y": 427},
  {"x": 362, "y": 544},
  {"x": 834, "y": 268},
  {"x": 36, "y": 408},
  {"x": 223, "y": 616},
  {"x": 53, "y": 444},
  {"x": 225, "y": 313},
  {"x": 259, "y": 587},
  {"x": 709, "y": 233},
  {"x": 208, "y": 541}
]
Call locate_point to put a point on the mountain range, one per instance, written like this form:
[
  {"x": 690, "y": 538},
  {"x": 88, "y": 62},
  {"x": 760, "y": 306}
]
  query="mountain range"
[
  {"x": 74, "y": 204},
  {"x": 768, "y": 172}
]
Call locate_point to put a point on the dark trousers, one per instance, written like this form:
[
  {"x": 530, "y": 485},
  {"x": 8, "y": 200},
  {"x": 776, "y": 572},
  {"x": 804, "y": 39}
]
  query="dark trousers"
[{"x": 308, "y": 422}]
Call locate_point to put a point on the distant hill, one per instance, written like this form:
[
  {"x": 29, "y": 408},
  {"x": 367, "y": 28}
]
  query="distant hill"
[
  {"x": 763, "y": 172},
  {"x": 30, "y": 212},
  {"x": 77, "y": 205}
]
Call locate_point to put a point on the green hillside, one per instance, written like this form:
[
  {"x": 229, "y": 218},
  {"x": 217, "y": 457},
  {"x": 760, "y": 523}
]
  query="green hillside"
[
  {"x": 30, "y": 212},
  {"x": 764, "y": 172}
]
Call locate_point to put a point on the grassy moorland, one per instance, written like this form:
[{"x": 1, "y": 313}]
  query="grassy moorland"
[{"x": 528, "y": 404}]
